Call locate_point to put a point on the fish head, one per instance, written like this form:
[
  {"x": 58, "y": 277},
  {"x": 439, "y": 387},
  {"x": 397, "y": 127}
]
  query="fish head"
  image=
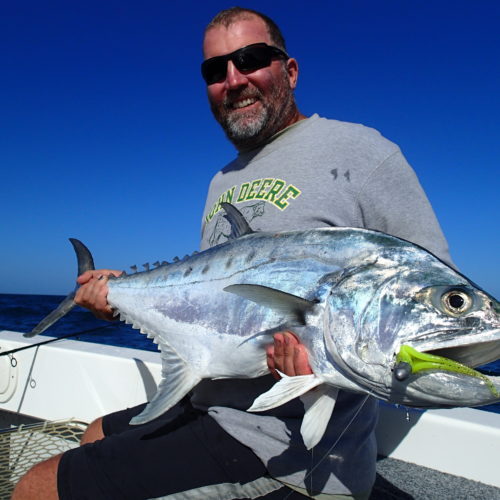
[{"x": 413, "y": 334}]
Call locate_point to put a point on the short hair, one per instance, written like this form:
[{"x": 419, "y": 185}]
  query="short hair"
[{"x": 229, "y": 16}]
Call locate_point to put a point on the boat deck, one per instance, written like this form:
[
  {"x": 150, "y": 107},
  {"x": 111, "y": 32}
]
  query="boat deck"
[{"x": 398, "y": 480}]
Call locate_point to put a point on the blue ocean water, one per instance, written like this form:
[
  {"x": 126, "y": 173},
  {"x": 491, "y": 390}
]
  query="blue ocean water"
[{"x": 21, "y": 313}]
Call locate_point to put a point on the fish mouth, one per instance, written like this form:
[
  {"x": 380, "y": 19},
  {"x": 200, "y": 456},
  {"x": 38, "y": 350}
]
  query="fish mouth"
[
  {"x": 472, "y": 355},
  {"x": 465, "y": 346},
  {"x": 410, "y": 361}
]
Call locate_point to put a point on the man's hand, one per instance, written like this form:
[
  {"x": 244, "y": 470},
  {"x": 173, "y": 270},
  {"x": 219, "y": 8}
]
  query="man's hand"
[
  {"x": 93, "y": 292},
  {"x": 288, "y": 356}
]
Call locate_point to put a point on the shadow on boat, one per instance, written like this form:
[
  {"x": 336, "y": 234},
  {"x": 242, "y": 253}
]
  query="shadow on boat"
[{"x": 147, "y": 378}]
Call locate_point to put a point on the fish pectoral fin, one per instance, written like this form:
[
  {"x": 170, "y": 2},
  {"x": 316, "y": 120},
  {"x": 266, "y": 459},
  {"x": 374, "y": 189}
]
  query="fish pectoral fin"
[
  {"x": 319, "y": 406},
  {"x": 285, "y": 390},
  {"x": 294, "y": 308},
  {"x": 177, "y": 380}
]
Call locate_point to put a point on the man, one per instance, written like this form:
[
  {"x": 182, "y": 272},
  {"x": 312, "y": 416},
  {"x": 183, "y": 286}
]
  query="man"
[{"x": 292, "y": 172}]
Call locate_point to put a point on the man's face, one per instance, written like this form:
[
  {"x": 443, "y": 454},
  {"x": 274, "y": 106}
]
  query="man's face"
[{"x": 250, "y": 106}]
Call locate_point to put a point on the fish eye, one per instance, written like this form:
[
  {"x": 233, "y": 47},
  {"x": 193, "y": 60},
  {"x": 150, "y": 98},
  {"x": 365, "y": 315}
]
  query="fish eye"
[{"x": 456, "y": 301}]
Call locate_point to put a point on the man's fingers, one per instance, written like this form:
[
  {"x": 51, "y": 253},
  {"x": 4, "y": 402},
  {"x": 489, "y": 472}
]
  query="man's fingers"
[
  {"x": 92, "y": 294},
  {"x": 279, "y": 351},
  {"x": 85, "y": 277},
  {"x": 288, "y": 356},
  {"x": 270, "y": 357},
  {"x": 301, "y": 361},
  {"x": 96, "y": 274}
]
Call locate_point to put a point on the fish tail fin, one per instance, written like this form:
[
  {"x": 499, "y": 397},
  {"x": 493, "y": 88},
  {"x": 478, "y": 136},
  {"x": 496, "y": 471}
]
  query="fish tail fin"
[{"x": 85, "y": 263}]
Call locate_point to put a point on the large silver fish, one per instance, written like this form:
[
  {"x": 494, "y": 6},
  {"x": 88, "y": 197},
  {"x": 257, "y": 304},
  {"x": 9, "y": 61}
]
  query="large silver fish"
[{"x": 377, "y": 314}]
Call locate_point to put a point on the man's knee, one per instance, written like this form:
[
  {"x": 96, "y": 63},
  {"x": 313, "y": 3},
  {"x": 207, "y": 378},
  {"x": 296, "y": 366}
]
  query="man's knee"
[
  {"x": 93, "y": 432},
  {"x": 39, "y": 482}
]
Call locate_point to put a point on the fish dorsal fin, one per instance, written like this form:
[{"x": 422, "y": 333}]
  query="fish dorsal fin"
[
  {"x": 177, "y": 380},
  {"x": 239, "y": 225},
  {"x": 319, "y": 406},
  {"x": 294, "y": 308},
  {"x": 285, "y": 390}
]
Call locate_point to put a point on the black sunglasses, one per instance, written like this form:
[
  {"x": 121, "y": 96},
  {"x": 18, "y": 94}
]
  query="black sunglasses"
[{"x": 249, "y": 58}]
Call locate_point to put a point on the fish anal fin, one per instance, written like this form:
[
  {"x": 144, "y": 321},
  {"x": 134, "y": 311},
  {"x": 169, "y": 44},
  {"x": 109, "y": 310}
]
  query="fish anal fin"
[
  {"x": 291, "y": 306},
  {"x": 177, "y": 380},
  {"x": 318, "y": 407},
  {"x": 169, "y": 393},
  {"x": 285, "y": 390}
]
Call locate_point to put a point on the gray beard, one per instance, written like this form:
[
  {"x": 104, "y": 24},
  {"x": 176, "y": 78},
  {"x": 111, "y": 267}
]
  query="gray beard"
[
  {"x": 248, "y": 130},
  {"x": 240, "y": 129}
]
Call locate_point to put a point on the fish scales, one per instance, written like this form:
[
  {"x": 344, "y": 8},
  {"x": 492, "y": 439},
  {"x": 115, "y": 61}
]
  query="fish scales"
[
  {"x": 376, "y": 314},
  {"x": 177, "y": 312}
]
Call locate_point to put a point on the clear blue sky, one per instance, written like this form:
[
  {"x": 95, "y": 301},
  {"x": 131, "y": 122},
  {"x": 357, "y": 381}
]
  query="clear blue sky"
[{"x": 106, "y": 136}]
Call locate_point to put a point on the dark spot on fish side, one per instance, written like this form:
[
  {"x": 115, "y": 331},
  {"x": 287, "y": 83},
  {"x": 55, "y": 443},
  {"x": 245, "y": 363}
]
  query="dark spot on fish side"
[
  {"x": 250, "y": 256},
  {"x": 229, "y": 262},
  {"x": 205, "y": 269},
  {"x": 188, "y": 271}
]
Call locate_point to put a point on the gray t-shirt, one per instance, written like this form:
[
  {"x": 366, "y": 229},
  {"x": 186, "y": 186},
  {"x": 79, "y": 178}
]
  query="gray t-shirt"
[{"x": 316, "y": 173}]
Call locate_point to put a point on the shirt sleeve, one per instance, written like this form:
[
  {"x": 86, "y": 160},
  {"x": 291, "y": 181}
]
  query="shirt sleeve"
[{"x": 393, "y": 201}]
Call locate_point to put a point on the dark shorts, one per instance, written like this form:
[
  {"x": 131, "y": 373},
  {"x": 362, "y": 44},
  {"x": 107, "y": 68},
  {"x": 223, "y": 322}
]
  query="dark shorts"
[{"x": 184, "y": 453}]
